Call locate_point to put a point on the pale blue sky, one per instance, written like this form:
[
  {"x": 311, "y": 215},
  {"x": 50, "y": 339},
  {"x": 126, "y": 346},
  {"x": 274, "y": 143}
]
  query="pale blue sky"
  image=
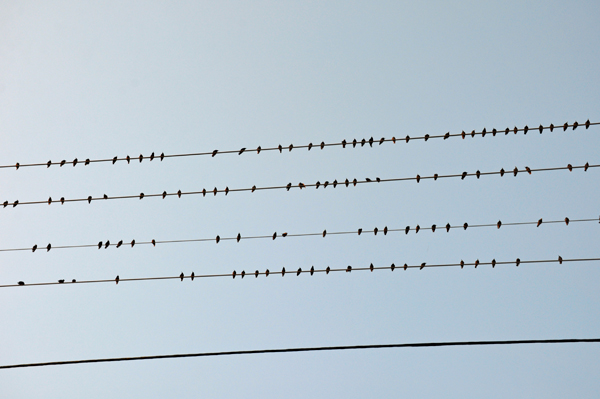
[{"x": 118, "y": 78}]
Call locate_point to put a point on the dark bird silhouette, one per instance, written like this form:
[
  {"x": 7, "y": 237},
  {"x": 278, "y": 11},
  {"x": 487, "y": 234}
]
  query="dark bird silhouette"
[
  {"x": 506, "y": 131},
  {"x": 494, "y": 132},
  {"x": 162, "y": 156},
  {"x": 322, "y": 144},
  {"x": 371, "y": 141},
  {"x": 359, "y": 231},
  {"x": 518, "y": 262},
  {"x": 17, "y": 203},
  {"x": 417, "y": 229},
  {"x": 462, "y": 263},
  {"x": 575, "y": 125},
  {"x": 49, "y": 200},
  {"x": 34, "y": 248},
  {"x": 164, "y": 194},
  {"x": 539, "y": 222},
  {"x": 218, "y": 239},
  {"x": 528, "y": 169},
  {"x": 335, "y": 183},
  {"x": 5, "y": 204},
  {"x": 354, "y": 143},
  {"x": 242, "y": 151},
  {"x": 317, "y": 184},
  {"x": 226, "y": 191},
  {"x": 283, "y": 272},
  {"x": 119, "y": 243},
  {"x": 61, "y": 281},
  {"x": 371, "y": 267},
  {"x": 152, "y": 157},
  {"x": 275, "y": 235},
  {"x": 204, "y": 192},
  {"x": 447, "y": 227},
  {"x": 289, "y": 185},
  {"x": 75, "y": 162},
  {"x": 407, "y": 229},
  {"x": 433, "y": 226},
  {"x": 463, "y": 134},
  {"x": 258, "y": 150},
  {"x": 324, "y": 233},
  {"x": 141, "y": 195},
  {"x": 476, "y": 263},
  {"x": 422, "y": 266},
  {"x": 478, "y": 173},
  {"x": 541, "y": 129},
  {"x": 256, "y": 273},
  {"x": 418, "y": 178},
  {"x": 435, "y": 176},
  {"x": 515, "y": 171},
  {"x": 234, "y": 274},
  {"x": 381, "y": 140},
  {"x": 464, "y": 174},
  {"x": 280, "y": 148},
  {"x": 570, "y": 167},
  {"x": 132, "y": 243},
  {"x": 128, "y": 158},
  {"x": 343, "y": 143},
  {"x": 465, "y": 225},
  {"x": 326, "y": 184},
  {"x": 567, "y": 221},
  {"x": 375, "y": 230},
  {"x": 378, "y": 180},
  {"x": 117, "y": 280},
  {"x": 192, "y": 276},
  {"x": 298, "y": 271},
  {"x": 107, "y": 244},
  {"x": 89, "y": 199},
  {"x": 407, "y": 138},
  {"x": 141, "y": 158},
  {"x": 100, "y": 245},
  {"x": 426, "y": 137},
  {"x": 114, "y": 160},
  {"x": 392, "y": 266},
  {"x": 565, "y": 126},
  {"x": 62, "y": 200},
  {"x": 560, "y": 259},
  {"x": 301, "y": 185},
  {"x": 493, "y": 263},
  {"x": 181, "y": 276},
  {"x": 501, "y": 172},
  {"x": 385, "y": 230},
  {"x": 243, "y": 273},
  {"x": 363, "y": 142},
  {"x": 552, "y": 127},
  {"x": 179, "y": 193},
  {"x": 267, "y": 273},
  {"x": 394, "y": 139},
  {"x": 367, "y": 179},
  {"x": 327, "y": 270},
  {"x": 446, "y": 135},
  {"x": 515, "y": 130},
  {"x": 347, "y": 182},
  {"x": 587, "y": 124},
  {"x": 48, "y": 247},
  {"x": 473, "y": 133},
  {"x": 63, "y": 162},
  {"x": 215, "y": 191},
  {"x": 312, "y": 270},
  {"x": 284, "y": 235},
  {"x": 354, "y": 182},
  {"x": 21, "y": 283},
  {"x": 587, "y": 165},
  {"x": 309, "y": 146},
  {"x": 499, "y": 224},
  {"x": 239, "y": 237},
  {"x": 290, "y": 147},
  {"x": 348, "y": 269},
  {"x": 483, "y": 132},
  {"x": 525, "y": 129},
  {"x": 153, "y": 242},
  {"x": 49, "y": 163},
  {"x": 105, "y": 196},
  {"x": 405, "y": 266}
]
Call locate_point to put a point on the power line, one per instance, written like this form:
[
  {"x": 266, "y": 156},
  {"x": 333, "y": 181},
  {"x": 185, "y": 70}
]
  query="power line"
[
  {"x": 301, "y": 185},
  {"x": 309, "y": 146},
  {"x": 324, "y": 233},
  {"x": 310, "y": 271},
  {"x": 309, "y": 349}
]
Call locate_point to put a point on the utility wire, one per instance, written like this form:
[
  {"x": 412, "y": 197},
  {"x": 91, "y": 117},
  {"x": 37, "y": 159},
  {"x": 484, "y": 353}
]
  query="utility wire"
[
  {"x": 301, "y": 185},
  {"x": 324, "y": 233},
  {"x": 310, "y": 349},
  {"x": 309, "y": 146},
  {"x": 310, "y": 271}
]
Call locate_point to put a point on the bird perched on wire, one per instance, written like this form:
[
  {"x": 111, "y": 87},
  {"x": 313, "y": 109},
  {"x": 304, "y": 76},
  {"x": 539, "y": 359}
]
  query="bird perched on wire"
[
  {"x": 258, "y": 150},
  {"x": 385, "y": 230},
  {"x": 239, "y": 237},
  {"x": 433, "y": 227},
  {"x": 518, "y": 262},
  {"x": 483, "y": 132},
  {"x": 426, "y": 137},
  {"x": 392, "y": 266},
  {"x": 375, "y": 230},
  {"x": 539, "y": 222},
  {"x": 448, "y": 227},
  {"x": 501, "y": 172},
  {"x": 446, "y": 135},
  {"x": 153, "y": 242},
  {"x": 75, "y": 162},
  {"x": 570, "y": 167},
  {"x": 422, "y": 266},
  {"x": 234, "y": 274},
  {"x": 462, "y": 263},
  {"x": 48, "y": 247},
  {"x": 107, "y": 244},
  {"x": 181, "y": 276},
  {"x": 283, "y": 271},
  {"x": 256, "y": 273},
  {"x": 289, "y": 185},
  {"x": 407, "y": 229},
  {"x": 141, "y": 195},
  {"x": 359, "y": 231},
  {"x": 309, "y": 146},
  {"x": 371, "y": 267},
  {"x": 567, "y": 221},
  {"x": 117, "y": 279},
  {"x": 324, "y": 233},
  {"x": 275, "y": 235},
  {"x": 478, "y": 173},
  {"x": 348, "y": 269},
  {"x": 464, "y": 174},
  {"x": 34, "y": 248},
  {"x": 344, "y": 143},
  {"x": 242, "y": 151},
  {"x": 267, "y": 273},
  {"x": 21, "y": 283},
  {"x": 312, "y": 270},
  {"x": 152, "y": 157},
  {"x": 63, "y": 162},
  {"x": 466, "y": 225},
  {"x": 290, "y": 147},
  {"x": 327, "y": 270},
  {"x": 298, "y": 271},
  {"x": 243, "y": 273},
  {"x": 493, "y": 263},
  {"x": 515, "y": 171},
  {"x": 162, "y": 156},
  {"x": 560, "y": 259},
  {"x": 218, "y": 239},
  {"x": 141, "y": 158},
  {"x": 132, "y": 243},
  {"x": 476, "y": 263},
  {"x": 417, "y": 229},
  {"x": 119, "y": 243},
  {"x": 164, "y": 194},
  {"x": 100, "y": 245},
  {"x": 528, "y": 169},
  {"x": 418, "y": 178},
  {"x": 215, "y": 152}
]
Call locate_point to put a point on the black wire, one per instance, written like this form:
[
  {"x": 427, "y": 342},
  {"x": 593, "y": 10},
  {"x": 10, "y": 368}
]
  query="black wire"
[
  {"x": 310, "y": 349},
  {"x": 311, "y": 271},
  {"x": 324, "y": 233},
  {"x": 346, "y": 183},
  {"x": 259, "y": 149}
]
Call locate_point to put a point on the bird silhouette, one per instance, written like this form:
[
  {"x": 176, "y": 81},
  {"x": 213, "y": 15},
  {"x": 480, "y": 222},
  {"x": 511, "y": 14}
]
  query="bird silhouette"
[
  {"x": 464, "y": 174},
  {"x": 493, "y": 263},
  {"x": 518, "y": 262},
  {"x": 162, "y": 156},
  {"x": 141, "y": 158},
  {"x": 317, "y": 184},
  {"x": 354, "y": 143},
  {"x": 215, "y": 152},
  {"x": 49, "y": 163},
  {"x": 192, "y": 276},
  {"x": 476, "y": 263},
  {"x": 422, "y": 266},
  {"x": 371, "y": 141},
  {"x": 418, "y": 178},
  {"x": 179, "y": 193},
  {"x": 105, "y": 196},
  {"x": 89, "y": 199},
  {"x": 539, "y": 222},
  {"x": 499, "y": 224},
  {"x": 426, "y": 137},
  {"x": 327, "y": 270},
  {"x": 226, "y": 191},
  {"x": 21, "y": 283},
  {"x": 494, "y": 132},
  {"x": 61, "y": 281},
  {"x": 117, "y": 280},
  {"x": 152, "y": 157},
  {"x": 290, "y": 147},
  {"x": 48, "y": 247},
  {"x": 100, "y": 245},
  {"x": 256, "y": 273},
  {"x": 392, "y": 266},
  {"x": 141, "y": 195},
  {"x": 407, "y": 138},
  {"x": 75, "y": 162},
  {"x": 506, "y": 131},
  {"x": 394, "y": 139},
  {"x": 324, "y": 233},
  {"x": 17, "y": 203},
  {"x": 128, "y": 158},
  {"x": 478, "y": 173},
  {"x": 363, "y": 142},
  {"x": 275, "y": 235},
  {"x": 242, "y": 151},
  {"x": 326, "y": 184},
  {"x": 239, "y": 237},
  {"x": 114, "y": 160},
  {"x": 417, "y": 229},
  {"x": 465, "y": 225},
  {"x": 528, "y": 169},
  {"x": 354, "y": 182},
  {"x": 335, "y": 183},
  {"x": 309, "y": 146},
  {"x": 5, "y": 204},
  {"x": 301, "y": 185},
  {"x": 381, "y": 140},
  {"x": 473, "y": 133},
  {"x": 347, "y": 182},
  {"x": 34, "y": 248},
  {"x": 49, "y": 200},
  {"x": 204, "y": 192},
  {"x": 385, "y": 230},
  {"x": 575, "y": 125},
  {"x": 567, "y": 221},
  {"x": 234, "y": 274},
  {"x": 359, "y": 231},
  {"x": 378, "y": 180},
  {"x": 447, "y": 227},
  {"x": 515, "y": 171},
  {"x": 371, "y": 267},
  {"x": 587, "y": 165},
  {"x": 435, "y": 176},
  {"x": 446, "y": 135},
  {"x": 258, "y": 150},
  {"x": 483, "y": 132},
  {"x": 107, "y": 244},
  {"x": 284, "y": 235},
  {"x": 552, "y": 127},
  {"x": 560, "y": 259},
  {"x": 218, "y": 239},
  {"x": 343, "y": 143},
  {"x": 312, "y": 270},
  {"x": 267, "y": 273},
  {"x": 348, "y": 269},
  {"x": 215, "y": 191},
  {"x": 501, "y": 172},
  {"x": 433, "y": 226},
  {"x": 63, "y": 162},
  {"x": 153, "y": 242},
  {"x": 181, "y": 276},
  {"x": 587, "y": 124},
  {"x": 570, "y": 167},
  {"x": 289, "y": 185},
  {"x": 119, "y": 243},
  {"x": 243, "y": 273},
  {"x": 407, "y": 229},
  {"x": 515, "y": 130},
  {"x": 463, "y": 134},
  {"x": 62, "y": 200},
  {"x": 541, "y": 129},
  {"x": 526, "y": 129},
  {"x": 565, "y": 126},
  {"x": 322, "y": 144},
  {"x": 298, "y": 271},
  {"x": 375, "y": 230},
  {"x": 132, "y": 243},
  {"x": 164, "y": 194},
  {"x": 367, "y": 179},
  {"x": 283, "y": 271},
  {"x": 405, "y": 266},
  {"x": 462, "y": 263}
]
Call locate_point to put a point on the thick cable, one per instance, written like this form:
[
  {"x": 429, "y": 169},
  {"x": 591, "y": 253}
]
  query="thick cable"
[
  {"x": 324, "y": 234},
  {"x": 309, "y": 146},
  {"x": 300, "y": 271},
  {"x": 301, "y": 185}
]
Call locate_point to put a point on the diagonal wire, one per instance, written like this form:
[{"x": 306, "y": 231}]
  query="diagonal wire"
[
  {"x": 300, "y": 271},
  {"x": 309, "y": 146},
  {"x": 301, "y": 185},
  {"x": 324, "y": 233}
]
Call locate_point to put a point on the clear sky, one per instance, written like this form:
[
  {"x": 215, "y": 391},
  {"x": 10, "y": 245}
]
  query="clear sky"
[{"x": 122, "y": 78}]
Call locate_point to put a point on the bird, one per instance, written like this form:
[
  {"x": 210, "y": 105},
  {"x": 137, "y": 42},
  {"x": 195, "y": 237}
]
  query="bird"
[
  {"x": 552, "y": 127},
  {"x": 256, "y": 273},
  {"x": 317, "y": 184},
  {"x": 381, "y": 140},
  {"x": 528, "y": 169},
  {"x": 417, "y": 229},
  {"x": 392, "y": 266},
  {"x": 463, "y": 134},
  {"x": 284, "y": 234},
  {"x": 242, "y": 151},
  {"x": 234, "y": 274},
  {"x": 426, "y": 137},
  {"x": 312, "y": 270},
  {"x": 162, "y": 156},
  {"x": 363, "y": 142},
  {"x": 422, "y": 266},
  {"x": 215, "y": 152},
  {"x": 587, "y": 124},
  {"x": 301, "y": 185},
  {"x": 560, "y": 259},
  {"x": 378, "y": 180},
  {"x": 100, "y": 245},
  {"x": 226, "y": 191},
  {"x": 567, "y": 221},
  {"x": 49, "y": 200},
  {"x": 359, "y": 231},
  {"x": 258, "y": 150},
  {"x": 446, "y": 135},
  {"x": 354, "y": 143},
  {"x": 493, "y": 263},
  {"x": 267, "y": 273},
  {"x": 433, "y": 226},
  {"x": 418, "y": 178},
  {"x": 275, "y": 235},
  {"x": 153, "y": 242},
  {"x": 499, "y": 224},
  {"x": 501, "y": 172},
  {"x": 407, "y": 229},
  {"x": 21, "y": 283},
  {"x": 141, "y": 195},
  {"x": 128, "y": 158},
  {"x": 117, "y": 280},
  {"x": 17, "y": 203},
  {"x": 48, "y": 247},
  {"x": 335, "y": 183},
  {"x": 239, "y": 237},
  {"x": 152, "y": 157},
  {"x": 283, "y": 272},
  {"x": 107, "y": 244},
  {"x": 215, "y": 191},
  {"x": 570, "y": 167},
  {"x": 324, "y": 233},
  {"x": 119, "y": 243},
  {"x": 344, "y": 143},
  {"x": 506, "y": 131},
  {"x": 164, "y": 194},
  {"x": 405, "y": 266},
  {"x": 34, "y": 248},
  {"x": 290, "y": 147},
  {"x": 435, "y": 176},
  {"x": 181, "y": 276},
  {"x": 587, "y": 165},
  {"x": 515, "y": 130},
  {"x": 515, "y": 171},
  {"x": 483, "y": 132},
  {"x": 478, "y": 173},
  {"x": 132, "y": 243},
  {"x": 465, "y": 225},
  {"x": 105, "y": 196},
  {"x": 63, "y": 162},
  {"x": 204, "y": 192},
  {"x": 476, "y": 263},
  {"x": 280, "y": 148},
  {"x": 407, "y": 138},
  {"x": 192, "y": 276},
  {"x": 575, "y": 125},
  {"x": 218, "y": 239},
  {"x": 541, "y": 129},
  {"x": 525, "y": 129},
  {"x": 371, "y": 141},
  {"x": 385, "y": 230},
  {"x": 494, "y": 132},
  {"x": 75, "y": 162},
  {"x": 89, "y": 199},
  {"x": 62, "y": 200},
  {"x": 354, "y": 182},
  {"x": 49, "y": 163},
  {"x": 347, "y": 182},
  {"x": 298, "y": 271},
  {"x": 462, "y": 263},
  {"x": 473, "y": 133},
  {"x": 394, "y": 139},
  {"x": 322, "y": 144},
  {"x": 348, "y": 269},
  {"x": 371, "y": 267},
  {"x": 539, "y": 222},
  {"x": 114, "y": 160},
  {"x": 367, "y": 179},
  {"x": 464, "y": 174},
  {"x": 327, "y": 270},
  {"x": 289, "y": 185},
  {"x": 5, "y": 204},
  {"x": 309, "y": 146},
  {"x": 61, "y": 281},
  {"x": 179, "y": 193},
  {"x": 375, "y": 230},
  {"x": 565, "y": 126},
  {"x": 141, "y": 158},
  {"x": 518, "y": 262},
  {"x": 326, "y": 184},
  {"x": 243, "y": 273},
  {"x": 447, "y": 227}
]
